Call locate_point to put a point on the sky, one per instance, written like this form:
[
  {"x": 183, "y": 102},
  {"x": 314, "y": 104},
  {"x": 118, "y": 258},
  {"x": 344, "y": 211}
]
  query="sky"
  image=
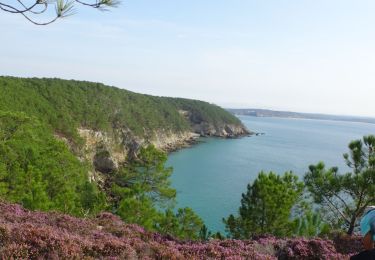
[{"x": 296, "y": 55}]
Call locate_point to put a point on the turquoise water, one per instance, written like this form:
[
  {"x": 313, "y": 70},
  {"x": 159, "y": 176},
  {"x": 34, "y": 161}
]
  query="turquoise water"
[{"x": 210, "y": 177}]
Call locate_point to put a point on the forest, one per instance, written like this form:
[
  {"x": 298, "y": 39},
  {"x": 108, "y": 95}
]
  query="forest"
[
  {"x": 42, "y": 172},
  {"x": 66, "y": 105}
]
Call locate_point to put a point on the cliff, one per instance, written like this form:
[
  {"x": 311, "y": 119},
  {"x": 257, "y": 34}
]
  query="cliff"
[
  {"x": 36, "y": 235},
  {"x": 106, "y": 125}
]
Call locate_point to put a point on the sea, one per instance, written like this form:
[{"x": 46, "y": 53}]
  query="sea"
[{"x": 211, "y": 176}]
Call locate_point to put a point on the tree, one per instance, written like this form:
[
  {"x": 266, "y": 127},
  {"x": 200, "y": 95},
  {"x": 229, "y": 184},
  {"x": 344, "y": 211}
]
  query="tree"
[
  {"x": 344, "y": 197},
  {"x": 311, "y": 225},
  {"x": 190, "y": 224},
  {"x": 184, "y": 224},
  {"x": 63, "y": 8},
  {"x": 266, "y": 206},
  {"x": 168, "y": 224},
  {"x": 146, "y": 176},
  {"x": 142, "y": 189},
  {"x": 139, "y": 210},
  {"x": 204, "y": 233},
  {"x": 40, "y": 172}
]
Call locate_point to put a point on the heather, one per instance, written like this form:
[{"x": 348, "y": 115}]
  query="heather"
[
  {"x": 34, "y": 235},
  {"x": 42, "y": 172}
]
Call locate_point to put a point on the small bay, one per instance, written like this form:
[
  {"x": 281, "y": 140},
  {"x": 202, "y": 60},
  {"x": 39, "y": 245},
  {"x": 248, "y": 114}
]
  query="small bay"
[{"x": 211, "y": 176}]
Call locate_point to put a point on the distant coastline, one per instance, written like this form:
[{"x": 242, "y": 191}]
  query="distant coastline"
[{"x": 286, "y": 114}]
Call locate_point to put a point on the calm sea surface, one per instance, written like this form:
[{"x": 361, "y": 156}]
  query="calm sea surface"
[{"x": 211, "y": 176}]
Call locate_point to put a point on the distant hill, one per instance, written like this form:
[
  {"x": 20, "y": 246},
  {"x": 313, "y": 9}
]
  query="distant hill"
[{"x": 287, "y": 114}]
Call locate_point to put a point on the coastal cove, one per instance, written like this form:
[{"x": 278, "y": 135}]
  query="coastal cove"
[{"x": 211, "y": 176}]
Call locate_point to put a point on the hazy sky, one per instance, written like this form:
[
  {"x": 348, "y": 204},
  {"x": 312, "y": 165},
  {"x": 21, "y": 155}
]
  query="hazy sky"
[{"x": 301, "y": 55}]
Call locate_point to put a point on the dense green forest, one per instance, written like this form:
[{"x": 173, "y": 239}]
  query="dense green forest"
[
  {"x": 40, "y": 172},
  {"x": 43, "y": 173},
  {"x": 67, "y": 104}
]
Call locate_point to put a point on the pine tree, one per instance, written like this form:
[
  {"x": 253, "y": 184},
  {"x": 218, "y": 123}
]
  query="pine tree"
[
  {"x": 344, "y": 197},
  {"x": 266, "y": 206}
]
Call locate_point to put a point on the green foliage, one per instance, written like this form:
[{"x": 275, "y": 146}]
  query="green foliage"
[
  {"x": 218, "y": 236},
  {"x": 40, "y": 172},
  {"x": 184, "y": 224},
  {"x": 138, "y": 210},
  {"x": 146, "y": 177},
  {"x": 168, "y": 223},
  {"x": 140, "y": 191},
  {"x": 344, "y": 197},
  {"x": 204, "y": 233},
  {"x": 190, "y": 224},
  {"x": 67, "y": 104},
  {"x": 266, "y": 207},
  {"x": 311, "y": 225},
  {"x": 200, "y": 111},
  {"x": 142, "y": 185}
]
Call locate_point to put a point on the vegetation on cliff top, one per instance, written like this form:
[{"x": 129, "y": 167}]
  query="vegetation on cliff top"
[
  {"x": 40, "y": 172},
  {"x": 68, "y": 104}
]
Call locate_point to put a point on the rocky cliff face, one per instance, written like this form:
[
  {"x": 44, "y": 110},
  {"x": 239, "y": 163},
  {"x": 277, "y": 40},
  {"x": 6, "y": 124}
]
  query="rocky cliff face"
[
  {"x": 107, "y": 150},
  {"x": 217, "y": 129},
  {"x": 225, "y": 130}
]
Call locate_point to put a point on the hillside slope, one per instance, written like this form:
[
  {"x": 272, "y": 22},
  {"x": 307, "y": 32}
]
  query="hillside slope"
[
  {"x": 288, "y": 114},
  {"x": 106, "y": 125},
  {"x": 35, "y": 235}
]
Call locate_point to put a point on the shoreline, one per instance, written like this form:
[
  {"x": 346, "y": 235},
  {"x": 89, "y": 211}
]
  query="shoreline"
[{"x": 193, "y": 141}]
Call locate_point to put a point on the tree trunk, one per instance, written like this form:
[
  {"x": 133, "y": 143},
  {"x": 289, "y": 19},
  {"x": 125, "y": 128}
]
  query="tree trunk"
[{"x": 351, "y": 225}]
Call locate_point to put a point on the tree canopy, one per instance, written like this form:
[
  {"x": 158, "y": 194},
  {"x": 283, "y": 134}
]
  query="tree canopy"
[
  {"x": 40, "y": 172},
  {"x": 344, "y": 197},
  {"x": 266, "y": 206},
  {"x": 331, "y": 201},
  {"x": 142, "y": 194},
  {"x": 67, "y": 105}
]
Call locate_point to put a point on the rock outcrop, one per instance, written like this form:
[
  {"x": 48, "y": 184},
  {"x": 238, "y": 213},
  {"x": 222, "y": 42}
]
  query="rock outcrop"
[
  {"x": 225, "y": 130},
  {"x": 107, "y": 150},
  {"x": 114, "y": 123},
  {"x": 216, "y": 129}
]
